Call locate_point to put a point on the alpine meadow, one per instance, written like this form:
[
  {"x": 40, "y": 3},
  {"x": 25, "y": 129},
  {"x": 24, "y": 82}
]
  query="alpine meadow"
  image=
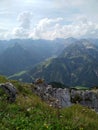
[{"x": 48, "y": 65}]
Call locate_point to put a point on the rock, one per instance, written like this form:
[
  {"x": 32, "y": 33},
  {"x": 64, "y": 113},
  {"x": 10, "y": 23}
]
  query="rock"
[
  {"x": 10, "y": 90},
  {"x": 39, "y": 81},
  {"x": 87, "y": 98},
  {"x": 59, "y": 97},
  {"x": 63, "y": 95},
  {"x": 56, "y": 97}
]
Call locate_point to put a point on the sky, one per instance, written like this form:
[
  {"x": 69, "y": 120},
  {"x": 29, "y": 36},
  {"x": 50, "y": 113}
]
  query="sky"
[{"x": 48, "y": 19}]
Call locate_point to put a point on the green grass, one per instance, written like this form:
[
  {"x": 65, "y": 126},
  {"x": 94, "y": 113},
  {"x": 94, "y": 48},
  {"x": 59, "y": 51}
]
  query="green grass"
[
  {"x": 81, "y": 88},
  {"x": 29, "y": 112},
  {"x": 17, "y": 74},
  {"x": 3, "y": 79}
]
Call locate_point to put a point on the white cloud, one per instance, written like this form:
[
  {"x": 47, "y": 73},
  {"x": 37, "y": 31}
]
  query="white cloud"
[
  {"x": 78, "y": 18},
  {"x": 44, "y": 27},
  {"x": 22, "y": 31},
  {"x": 3, "y": 31},
  {"x": 24, "y": 19},
  {"x": 19, "y": 32},
  {"x": 55, "y": 28},
  {"x": 52, "y": 28}
]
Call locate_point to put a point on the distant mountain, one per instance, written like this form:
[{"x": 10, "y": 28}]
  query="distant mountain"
[
  {"x": 15, "y": 59},
  {"x": 77, "y": 65},
  {"x": 22, "y": 54}
]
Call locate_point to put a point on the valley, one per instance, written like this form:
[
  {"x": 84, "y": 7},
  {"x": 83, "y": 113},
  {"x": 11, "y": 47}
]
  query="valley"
[{"x": 76, "y": 65}]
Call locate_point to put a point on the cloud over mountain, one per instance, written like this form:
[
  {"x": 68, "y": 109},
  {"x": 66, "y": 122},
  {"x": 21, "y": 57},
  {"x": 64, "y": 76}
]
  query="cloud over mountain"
[
  {"x": 24, "y": 20},
  {"x": 58, "y": 19},
  {"x": 52, "y": 28}
]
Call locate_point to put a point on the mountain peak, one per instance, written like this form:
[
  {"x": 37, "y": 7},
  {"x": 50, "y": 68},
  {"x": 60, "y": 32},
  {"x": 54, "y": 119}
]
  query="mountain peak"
[{"x": 76, "y": 66}]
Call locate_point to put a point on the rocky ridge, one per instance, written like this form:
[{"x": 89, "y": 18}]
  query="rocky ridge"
[
  {"x": 56, "y": 97},
  {"x": 59, "y": 97}
]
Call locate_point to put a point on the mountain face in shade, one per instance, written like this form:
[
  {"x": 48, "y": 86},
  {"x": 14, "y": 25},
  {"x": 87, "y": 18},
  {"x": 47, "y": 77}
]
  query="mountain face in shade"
[
  {"x": 77, "y": 65},
  {"x": 22, "y": 54},
  {"x": 15, "y": 59}
]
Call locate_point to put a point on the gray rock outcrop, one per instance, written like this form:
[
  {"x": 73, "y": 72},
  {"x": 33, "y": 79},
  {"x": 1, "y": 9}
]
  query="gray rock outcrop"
[
  {"x": 87, "y": 98},
  {"x": 10, "y": 91},
  {"x": 58, "y": 97}
]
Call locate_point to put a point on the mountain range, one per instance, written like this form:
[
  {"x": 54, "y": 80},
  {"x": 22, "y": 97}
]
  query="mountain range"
[
  {"x": 77, "y": 65},
  {"x": 21, "y": 54},
  {"x": 69, "y": 61}
]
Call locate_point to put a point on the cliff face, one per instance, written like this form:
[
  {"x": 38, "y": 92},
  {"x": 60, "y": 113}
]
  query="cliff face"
[{"x": 59, "y": 97}]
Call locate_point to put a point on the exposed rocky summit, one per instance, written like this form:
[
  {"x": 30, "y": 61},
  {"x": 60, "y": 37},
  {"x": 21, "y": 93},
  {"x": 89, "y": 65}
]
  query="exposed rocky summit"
[
  {"x": 10, "y": 91},
  {"x": 59, "y": 97}
]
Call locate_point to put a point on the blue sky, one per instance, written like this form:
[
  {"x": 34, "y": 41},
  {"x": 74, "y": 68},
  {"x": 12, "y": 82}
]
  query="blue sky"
[{"x": 48, "y": 19}]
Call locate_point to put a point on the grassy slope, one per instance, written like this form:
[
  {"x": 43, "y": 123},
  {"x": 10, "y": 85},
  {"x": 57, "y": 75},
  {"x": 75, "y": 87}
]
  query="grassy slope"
[
  {"x": 30, "y": 113},
  {"x": 17, "y": 74}
]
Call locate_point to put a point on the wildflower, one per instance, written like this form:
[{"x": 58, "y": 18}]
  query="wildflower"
[
  {"x": 50, "y": 105},
  {"x": 46, "y": 125},
  {"x": 28, "y": 109},
  {"x": 83, "y": 109},
  {"x": 93, "y": 109},
  {"x": 61, "y": 116},
  {"x": 80, "y": 128}
]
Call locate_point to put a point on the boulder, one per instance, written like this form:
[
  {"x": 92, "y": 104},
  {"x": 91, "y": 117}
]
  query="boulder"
[
  {"x": 10, "y": 91},
  {"x": 56, "y": 97}
]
